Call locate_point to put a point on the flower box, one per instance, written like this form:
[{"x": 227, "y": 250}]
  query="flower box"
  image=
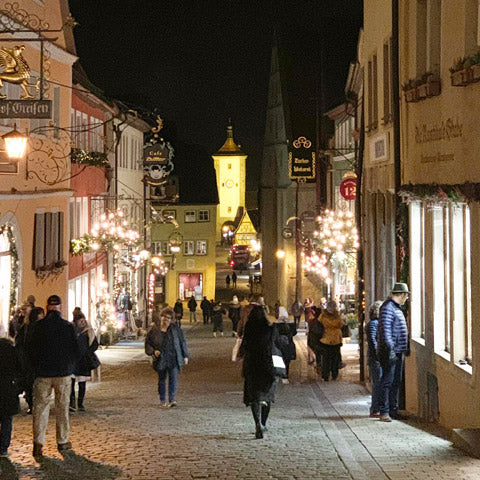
[
  {"x": 422, "y": 91},
  {"x": 411, "y": 95},
  {"x": 462, "y": 77},
  {"x": 475, "y": 73}
]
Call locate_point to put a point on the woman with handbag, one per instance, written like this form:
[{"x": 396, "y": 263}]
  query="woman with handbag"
[
  {"x": 257, "y": 350},
  {"x": 331, "y": 340},
  {"x": 166, "y": 344},
  {"x": 88, "y": 360}
]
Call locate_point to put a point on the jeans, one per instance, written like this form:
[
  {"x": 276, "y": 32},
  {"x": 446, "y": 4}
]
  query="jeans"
[
  {"x": 193, "y": 317},
  {"x": 390, "y": 385},
  {"x": 375, "y": 376},
  {"x": 5, "y": 433},
  {"x": 172, "y": 374},
  {"x": 42, "y": 389}
]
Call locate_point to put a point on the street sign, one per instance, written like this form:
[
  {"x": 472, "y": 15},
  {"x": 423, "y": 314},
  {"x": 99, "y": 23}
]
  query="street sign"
[
  {"x": 25, "y": 109},
  {"x": 287, "y": 233},
  {"x": 301, "y": 160},
  {"x": 348, "y": 188}
]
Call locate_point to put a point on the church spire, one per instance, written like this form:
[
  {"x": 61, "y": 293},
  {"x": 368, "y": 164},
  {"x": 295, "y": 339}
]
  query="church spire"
[{"x": 229, "y": 147}]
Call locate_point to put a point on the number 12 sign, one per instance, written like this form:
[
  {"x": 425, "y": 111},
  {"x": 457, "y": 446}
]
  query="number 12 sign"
[{"x": 348, "y": 188}]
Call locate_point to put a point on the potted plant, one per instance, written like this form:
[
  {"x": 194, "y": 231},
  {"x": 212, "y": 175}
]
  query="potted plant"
[
  {"x": 410, "y": 89},
  {"x": 428, "y": 85},
  {"x": 461, "y": 72},
  {"x": 475, "y": 68}
]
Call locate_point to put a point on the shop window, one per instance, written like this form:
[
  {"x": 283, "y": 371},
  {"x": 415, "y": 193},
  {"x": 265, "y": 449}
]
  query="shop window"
[
  {"x": 417, "y": 270},
  {"x": 201, "y": 247},
  {"x": 204, "y": 215},
  {"x": 188, "y": 247},
  {"x": 190, "y": 216},
  {"x": 48, "y": 239},
  {"x": 190, "y": 284}
]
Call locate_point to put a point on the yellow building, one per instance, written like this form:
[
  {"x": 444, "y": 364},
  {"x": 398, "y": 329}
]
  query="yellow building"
[
  {"x": 230, "y": 163},
  {"x": 192, "y": 270},
  {"x": 34, "y": 191}
]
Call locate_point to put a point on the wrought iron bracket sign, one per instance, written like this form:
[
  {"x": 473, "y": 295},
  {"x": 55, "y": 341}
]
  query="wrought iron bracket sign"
[
  {"x": 301, "y": 160},
  {"x": 26, "y": 109}
]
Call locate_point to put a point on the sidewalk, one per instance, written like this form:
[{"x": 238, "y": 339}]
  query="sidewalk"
[{"x": 316, "y": 430}]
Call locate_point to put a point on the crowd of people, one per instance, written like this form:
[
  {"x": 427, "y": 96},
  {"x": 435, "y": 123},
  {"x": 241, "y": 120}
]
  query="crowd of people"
[{"x": 45, "y": 353}]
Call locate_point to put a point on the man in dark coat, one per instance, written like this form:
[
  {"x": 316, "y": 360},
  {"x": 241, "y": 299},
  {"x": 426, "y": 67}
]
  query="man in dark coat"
[
  {"x": 178, "y": 310},
  {"x": 10, "y": 374},
  {"x": 392, "y": 345},
  {"x": 53, "y": 352},
  {"x": 192, "y": 306},
  {"x": 205, "y": 306}
]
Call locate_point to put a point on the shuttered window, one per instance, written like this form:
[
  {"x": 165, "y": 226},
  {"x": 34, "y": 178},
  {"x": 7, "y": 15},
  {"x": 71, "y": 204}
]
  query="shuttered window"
[{"x": 48, "y": 239}]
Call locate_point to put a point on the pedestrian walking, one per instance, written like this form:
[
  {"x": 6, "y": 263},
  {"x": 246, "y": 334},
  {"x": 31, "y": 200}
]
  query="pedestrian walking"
[
  {"x": 309, "y": 312},
  {"x": 234, "y": 280},
  {"x": 22, "y": 340},
  {"x": 276, "y": 309},
  {"x": 10, "y": 378},
  {"x": 392, "y": 345},
  {"x": 245, "y": 309},
  {"x": 53, "y": 351},
  {"x": 178, "y": 310},
  {"x": 205, "y": 306},
  {"x": 192, "y": 307},
  {"x": 258, "y": 371},
  {"x": 297, "y": 310},
  {"x": 217, "y": 318},
  {"x": 234, "y": 310},
  {"x": 314, "y": 335},
  {"x": 166, "y": 344},
  {"x": 19, "y": 317},
  {"x": 87, "y": 361},
  {"x": 372, "y": 358},
  {"x": 286, "y": 330},
  {"x": 331, "y": 341},
  {"x": 227, "y": 280}
]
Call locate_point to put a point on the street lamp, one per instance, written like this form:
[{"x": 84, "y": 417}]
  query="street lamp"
[{"x": 15, "y": 144}]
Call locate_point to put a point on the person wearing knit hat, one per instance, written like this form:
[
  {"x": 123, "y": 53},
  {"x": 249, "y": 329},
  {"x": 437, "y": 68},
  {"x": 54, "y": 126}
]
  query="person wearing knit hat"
[
  {"x": 166, "y": 344},
  {"x": 234, "y": 314}
]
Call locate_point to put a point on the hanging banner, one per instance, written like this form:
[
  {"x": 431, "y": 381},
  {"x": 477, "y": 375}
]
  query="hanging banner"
[{"x": 301, "y": 160}]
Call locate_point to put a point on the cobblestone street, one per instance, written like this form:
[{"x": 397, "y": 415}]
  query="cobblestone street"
[{"x": 316, "y": 431}]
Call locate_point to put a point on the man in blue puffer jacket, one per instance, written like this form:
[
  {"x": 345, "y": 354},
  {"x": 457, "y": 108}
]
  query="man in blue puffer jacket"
[{"x": 392, "y": 345}]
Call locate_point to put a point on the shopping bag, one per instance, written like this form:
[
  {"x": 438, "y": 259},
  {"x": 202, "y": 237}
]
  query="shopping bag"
[
  {"x": 236, "y": 349},
  {"x": 279, "y": 366}
]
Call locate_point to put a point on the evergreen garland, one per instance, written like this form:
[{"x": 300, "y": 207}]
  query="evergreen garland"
[{"x": 14, "y": 266}]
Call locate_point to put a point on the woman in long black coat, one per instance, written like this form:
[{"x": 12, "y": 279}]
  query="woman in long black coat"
[
  {"x": 258, "y": 371},
  {"x": 10, "y": 375}
]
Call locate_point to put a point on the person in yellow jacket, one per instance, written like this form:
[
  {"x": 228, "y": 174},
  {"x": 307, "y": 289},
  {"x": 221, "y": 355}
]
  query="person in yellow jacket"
[{"x": 331, "y": 340}]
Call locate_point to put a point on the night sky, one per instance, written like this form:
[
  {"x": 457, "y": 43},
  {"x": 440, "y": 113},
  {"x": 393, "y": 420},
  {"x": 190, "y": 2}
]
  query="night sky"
[{"x": 202, "y": 61}]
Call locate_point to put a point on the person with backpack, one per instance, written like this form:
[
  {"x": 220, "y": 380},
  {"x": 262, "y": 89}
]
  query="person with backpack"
[{"x": 217, "y": 318}]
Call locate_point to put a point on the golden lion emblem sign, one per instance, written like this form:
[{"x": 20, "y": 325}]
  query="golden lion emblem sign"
[{"x": 15, "y": 70}]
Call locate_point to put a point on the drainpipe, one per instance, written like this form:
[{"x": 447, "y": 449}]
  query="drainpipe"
[{"x": 396, "y": 99}]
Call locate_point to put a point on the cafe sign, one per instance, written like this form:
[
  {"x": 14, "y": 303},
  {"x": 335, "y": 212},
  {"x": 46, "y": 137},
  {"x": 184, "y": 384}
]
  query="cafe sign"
[
  {"x": 348, "y": 188},
  {"x": 301, "y": 160},
  {"x": 157, "y": 162},
  {"x": 26, "y": 109}
]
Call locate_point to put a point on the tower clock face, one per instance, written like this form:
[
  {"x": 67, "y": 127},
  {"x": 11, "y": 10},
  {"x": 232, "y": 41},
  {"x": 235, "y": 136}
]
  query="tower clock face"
[{"x": 229, "y": 183}]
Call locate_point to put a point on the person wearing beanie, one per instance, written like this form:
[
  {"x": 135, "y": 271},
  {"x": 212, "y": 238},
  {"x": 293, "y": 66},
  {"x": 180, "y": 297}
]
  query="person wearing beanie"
[
  {"x": 166, "y": 344},
  {"x": 373, "y": 363},
  {"x": 234, "y": 314}
]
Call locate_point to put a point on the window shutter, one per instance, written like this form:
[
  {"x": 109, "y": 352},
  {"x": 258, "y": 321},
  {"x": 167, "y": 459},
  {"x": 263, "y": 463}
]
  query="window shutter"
[
  {"x": 49, "y": 247},
  {"x": 60, "y": 236},
  {"x": 39, "y": 241}
]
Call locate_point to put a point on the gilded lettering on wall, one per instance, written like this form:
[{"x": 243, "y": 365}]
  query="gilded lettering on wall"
[
  {"x": 446, "y": 130},
  {"x": 438, "y": 157}
]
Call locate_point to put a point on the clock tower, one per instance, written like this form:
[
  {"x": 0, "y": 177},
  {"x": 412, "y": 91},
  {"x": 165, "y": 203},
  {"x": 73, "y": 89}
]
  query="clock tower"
[{"x": 230, "y": 164}]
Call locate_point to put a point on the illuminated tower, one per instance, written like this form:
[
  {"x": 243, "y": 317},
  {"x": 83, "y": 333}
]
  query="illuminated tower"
[{"x": 230, "y": 169}]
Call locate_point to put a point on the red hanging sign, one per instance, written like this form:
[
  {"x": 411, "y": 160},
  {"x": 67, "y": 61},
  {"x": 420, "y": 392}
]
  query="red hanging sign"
[{"x": 348, "y": 188}]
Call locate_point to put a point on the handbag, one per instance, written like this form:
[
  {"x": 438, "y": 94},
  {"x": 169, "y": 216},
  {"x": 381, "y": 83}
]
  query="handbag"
[
  {"x": 279, "y": 366},
  {"x": 93, "y": 361}
]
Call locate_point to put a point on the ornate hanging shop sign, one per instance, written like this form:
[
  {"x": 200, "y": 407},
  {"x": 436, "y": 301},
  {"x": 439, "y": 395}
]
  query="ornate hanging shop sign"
[
  {"x": 15, "y": 70},
  {"x": 348, "y": 188},
  {"x": 157, "y": 158},
  {"x": 301, "y": 160}
]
